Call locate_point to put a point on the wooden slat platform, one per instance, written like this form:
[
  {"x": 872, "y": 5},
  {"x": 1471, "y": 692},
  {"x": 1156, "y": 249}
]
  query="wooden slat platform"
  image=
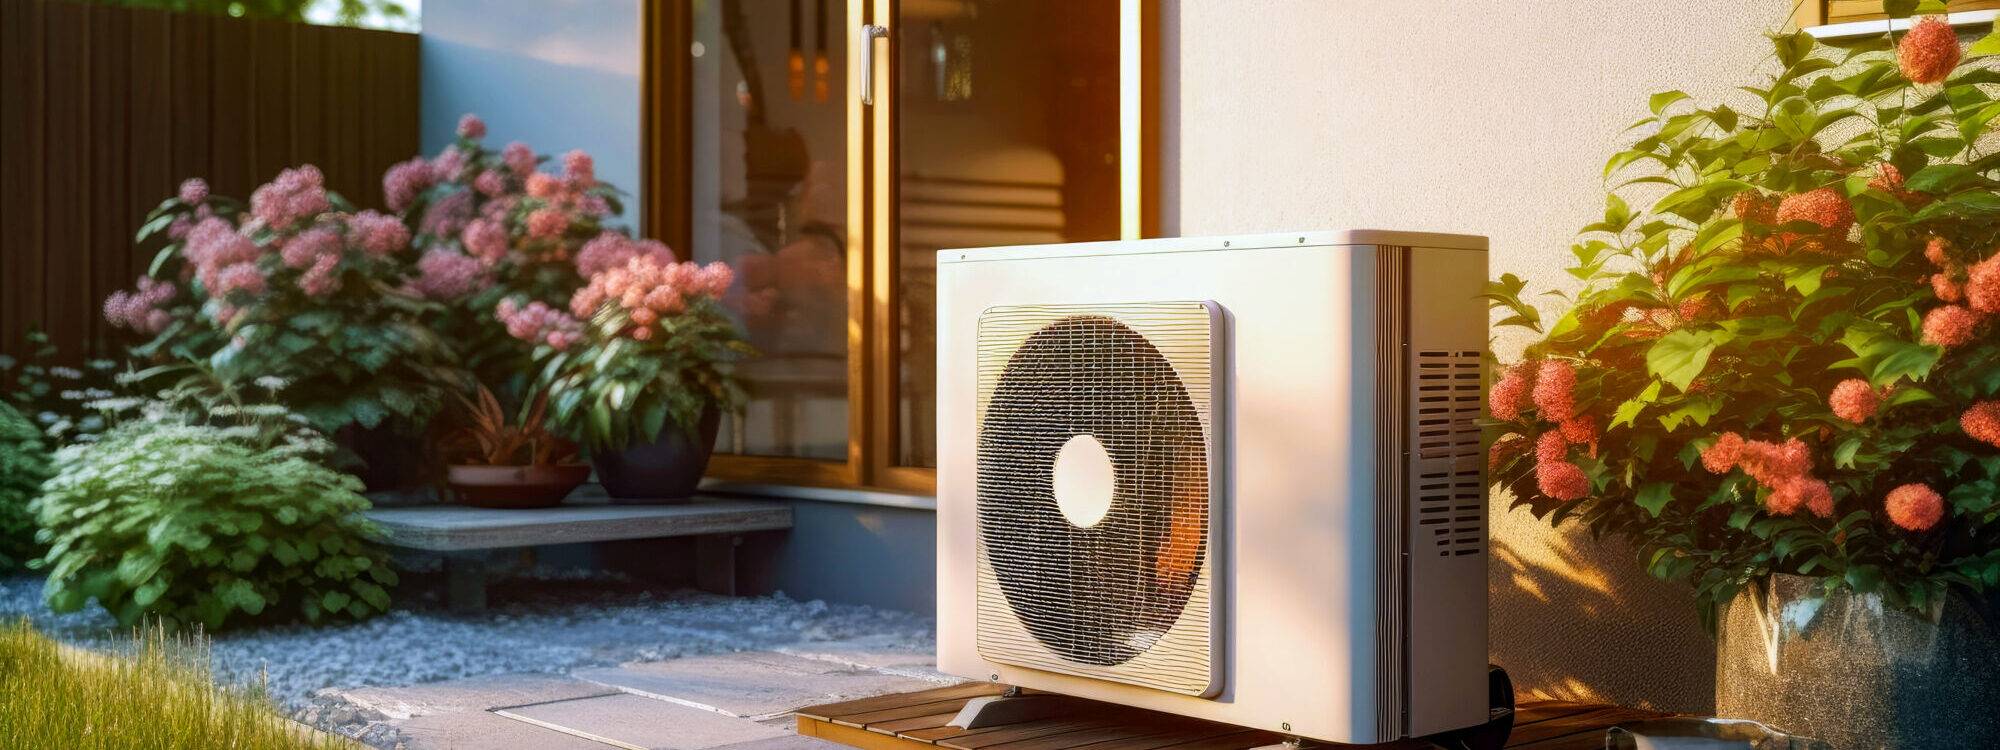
[{"x": 916, "y": 721}]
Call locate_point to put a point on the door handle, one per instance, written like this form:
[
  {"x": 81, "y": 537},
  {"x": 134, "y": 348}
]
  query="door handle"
[{"x": 869, "y": 33}]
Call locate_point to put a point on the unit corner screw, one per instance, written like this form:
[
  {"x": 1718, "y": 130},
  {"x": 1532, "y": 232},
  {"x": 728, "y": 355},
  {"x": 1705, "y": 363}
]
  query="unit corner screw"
[
  {"x": 1285, "y": 725},
  {"x": 993, "y": 677}
]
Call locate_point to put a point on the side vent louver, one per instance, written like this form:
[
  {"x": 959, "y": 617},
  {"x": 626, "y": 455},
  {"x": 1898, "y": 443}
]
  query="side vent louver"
[{"x": 1450, "y": 503}]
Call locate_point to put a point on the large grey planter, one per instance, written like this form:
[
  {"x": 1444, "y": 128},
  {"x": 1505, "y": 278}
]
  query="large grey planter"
[{"x": 1845, "y": 669}]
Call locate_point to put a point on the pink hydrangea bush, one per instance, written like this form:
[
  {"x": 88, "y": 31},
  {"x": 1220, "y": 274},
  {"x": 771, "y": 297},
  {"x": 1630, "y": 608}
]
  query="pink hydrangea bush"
[
  {"x": 1784, "y": 365},
  {"x": 645, "y": 344},
  {"x": 297, "y": 285},
  {"x": 491, "y": 226}
]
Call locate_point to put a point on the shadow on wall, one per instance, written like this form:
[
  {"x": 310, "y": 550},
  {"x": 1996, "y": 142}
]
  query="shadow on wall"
[{"x": 1577, "y": 618}]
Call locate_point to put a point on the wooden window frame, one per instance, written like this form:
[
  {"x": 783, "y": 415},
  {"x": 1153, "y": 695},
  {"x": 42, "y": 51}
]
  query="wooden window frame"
[
  {"x": 872, "y": 275},
  {"x": 1810, "y": 14}
]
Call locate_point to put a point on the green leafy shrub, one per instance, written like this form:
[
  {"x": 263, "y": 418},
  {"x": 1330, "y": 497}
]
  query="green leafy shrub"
[
  {"x": 1789, "y": 363},
  {"x": 209, "y": 508},
  {"x": 55, "y": 396},
  {"x": 24, "y": 463}
]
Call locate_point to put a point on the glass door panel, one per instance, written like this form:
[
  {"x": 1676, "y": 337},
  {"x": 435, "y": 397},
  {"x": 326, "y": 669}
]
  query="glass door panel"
[
  {"x": 769, "y": 159},
  {"x": 1006, "y": 120}
]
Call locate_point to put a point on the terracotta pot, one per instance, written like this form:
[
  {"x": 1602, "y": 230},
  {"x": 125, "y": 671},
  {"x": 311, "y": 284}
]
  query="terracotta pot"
[
  {"x": 514, "y": 486},
  {"x": 1845, "y": 669},
  {"x": 666, "y": 470}
]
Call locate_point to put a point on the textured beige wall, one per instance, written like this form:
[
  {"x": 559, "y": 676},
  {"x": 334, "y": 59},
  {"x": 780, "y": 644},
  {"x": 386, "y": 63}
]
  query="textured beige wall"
[{"x": 1489, "y": 117}]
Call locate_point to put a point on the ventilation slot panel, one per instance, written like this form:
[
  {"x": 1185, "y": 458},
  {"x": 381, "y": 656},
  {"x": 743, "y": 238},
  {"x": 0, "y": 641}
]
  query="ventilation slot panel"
[{"x": 1448, "y": 493}]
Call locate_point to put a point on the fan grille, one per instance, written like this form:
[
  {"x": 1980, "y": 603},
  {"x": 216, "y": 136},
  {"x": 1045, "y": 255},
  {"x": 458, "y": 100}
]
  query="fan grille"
[{"x": 1128, "y": 598}]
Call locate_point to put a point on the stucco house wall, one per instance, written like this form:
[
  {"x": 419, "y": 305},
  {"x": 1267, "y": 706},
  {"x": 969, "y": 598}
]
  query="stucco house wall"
[{"x": 1489, "y": 117}]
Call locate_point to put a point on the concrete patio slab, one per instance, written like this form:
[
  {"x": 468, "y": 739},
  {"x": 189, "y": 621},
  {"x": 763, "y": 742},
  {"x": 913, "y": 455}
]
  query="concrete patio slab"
[
  {"x": 470, "y": 694},
  {"x": 635, "y": 721},
  {"x": 755, "y": 684},
  {"x": 479, "y": 729},
  {"x": 788, "y": 742}
]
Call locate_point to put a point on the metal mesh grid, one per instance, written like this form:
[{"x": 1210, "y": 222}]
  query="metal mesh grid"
[
  {"x": 1129, "y": 598},
  {"x": 1450, "y": 501}
]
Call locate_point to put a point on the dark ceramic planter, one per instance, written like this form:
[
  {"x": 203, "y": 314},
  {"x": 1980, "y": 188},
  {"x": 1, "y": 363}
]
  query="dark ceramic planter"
[
  {"x": 1844, "y": 669},
  {"x": 514, "y": 486},
  {"x": 666, "y": 470},
  {"x": 390, "y": 460}
]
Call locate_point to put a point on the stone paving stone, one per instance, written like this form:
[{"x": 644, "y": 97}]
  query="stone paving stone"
[
  {"x": 471, "y": 694},
  {"x": 862, "y": 655},
  {"x": 751, "y": 684},
  {"x": 790, "y": 742},
  {"x": 644, "y": 722},
  {"x": 483, "y": 731}
]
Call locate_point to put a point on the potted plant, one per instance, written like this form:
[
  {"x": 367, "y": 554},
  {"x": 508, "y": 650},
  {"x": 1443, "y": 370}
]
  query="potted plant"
[
  {"x": 502, "y": 463},
  {"x": 300, "y": 286},
  {"x": 643, "y": 379},
  {"x": 1782, "y": 383}
]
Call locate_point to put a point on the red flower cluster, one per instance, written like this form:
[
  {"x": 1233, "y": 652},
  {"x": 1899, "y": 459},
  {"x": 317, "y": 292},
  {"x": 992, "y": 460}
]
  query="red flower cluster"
[
  {"x": 1914, "y": 507},
  {"x": 1854, "y": 400},
  {"x": 1785, "y": 468},
  {"x": 1929, "y": 51}
]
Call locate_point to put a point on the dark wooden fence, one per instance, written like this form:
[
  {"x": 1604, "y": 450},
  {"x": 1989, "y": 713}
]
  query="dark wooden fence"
[{"x": 104, "y": 110}]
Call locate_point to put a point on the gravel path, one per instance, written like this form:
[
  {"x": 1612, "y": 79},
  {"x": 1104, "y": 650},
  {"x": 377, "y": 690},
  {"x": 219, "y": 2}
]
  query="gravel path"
[{"x": 550, "y": 625}]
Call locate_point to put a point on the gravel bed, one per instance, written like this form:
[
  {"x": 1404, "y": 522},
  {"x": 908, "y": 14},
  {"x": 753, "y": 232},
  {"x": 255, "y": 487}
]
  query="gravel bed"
[{"x": 550, "y": 622}]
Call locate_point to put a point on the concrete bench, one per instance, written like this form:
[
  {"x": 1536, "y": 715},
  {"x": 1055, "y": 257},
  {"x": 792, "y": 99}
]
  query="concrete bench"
[{"x": 464, "y": 534}]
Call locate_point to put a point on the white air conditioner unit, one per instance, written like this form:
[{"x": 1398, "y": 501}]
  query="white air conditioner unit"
[{"x": 1238, "y": 479}]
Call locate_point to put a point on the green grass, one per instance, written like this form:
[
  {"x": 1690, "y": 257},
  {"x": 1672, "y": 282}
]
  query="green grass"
[{"x": 161, "y": 694}]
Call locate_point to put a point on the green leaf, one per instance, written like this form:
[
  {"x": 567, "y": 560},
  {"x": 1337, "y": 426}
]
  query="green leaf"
[
  {"x": 1654, "y": 496},
  {"x": 1660, "y": 101},
  {"x": 1987, "y": 45},
  {"x": 1679, "y": 357}
]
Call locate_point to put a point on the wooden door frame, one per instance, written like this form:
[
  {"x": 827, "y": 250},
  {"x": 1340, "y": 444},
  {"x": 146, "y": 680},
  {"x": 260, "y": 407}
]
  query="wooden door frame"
[{"x": 873, "y": 371}]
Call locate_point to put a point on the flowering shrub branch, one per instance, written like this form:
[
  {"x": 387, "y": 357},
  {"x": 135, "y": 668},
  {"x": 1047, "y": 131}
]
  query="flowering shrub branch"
[
  {"x": 1788, "y": 363},
  {"x": 297, "y": 286}
]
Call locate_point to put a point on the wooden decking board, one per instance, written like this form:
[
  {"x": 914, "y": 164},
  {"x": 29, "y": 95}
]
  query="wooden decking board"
[
  {"x": 1013, "y": 732},
  {"x": 1534, "y": 711},
  {"x": 963, "y": 692},
  {"x": 917, "y": 721},
  {"x": 1588, "y": 721},
  {"x": 870, "y": 718},
  {"x": 931, "y": 721}
]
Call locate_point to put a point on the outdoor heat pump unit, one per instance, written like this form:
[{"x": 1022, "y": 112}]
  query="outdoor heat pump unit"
[{"x": 1233, "y": 478}]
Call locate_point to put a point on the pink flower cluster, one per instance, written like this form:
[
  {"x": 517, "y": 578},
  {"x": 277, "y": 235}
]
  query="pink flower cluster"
[
  {"x": 445, "y": 275},
  {"x": 405, "y": 181},
  {"x": 647, "y": 288},
  {"x": 448, "y": 215},
  {"x": 614, "y": 249},
  {"x": 194, "y": 191},
  {"x": 378, "y": 234},
  {"x": 485, "y": 239},
  {"x": 519, "y": 159},
  {"x": 1555, "y": 389},
  {"x": 1824, "y": 206},
  {"x": 141, "y": 309},
  {"x": 1785, "y": 468},
  {"x": 296, "y": 195},
  {"x": 1950, "y": 325},
  {"x": 213, "y": 247},
  {"x": 538, "y": 323},
  {"x": 470, "y": 126}
]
